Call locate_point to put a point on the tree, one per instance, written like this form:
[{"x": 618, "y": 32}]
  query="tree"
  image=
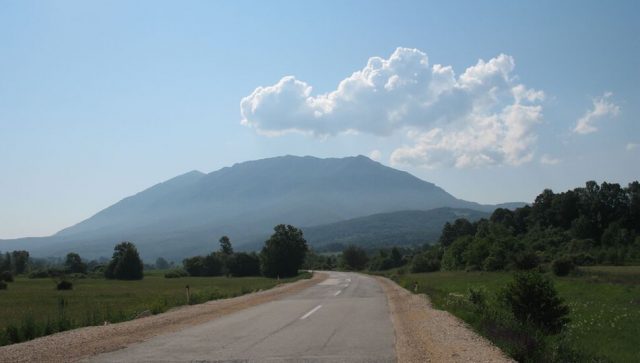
[
  {"x": 125, "y": 263},
  {"x": 5, "y": 262},
  {"x": 194, "y": 265},
  {"x": 225, "y": 246},
  {"x": 19, "y": 261},
  {"x": 284, "y": 252},
  {"x": 396, "y": 257},
  {"x": 425, "y": 262},
  {"x": 162, "y": 264},
  {"x": 355, "y": 258},
  {"x": 74, "y": 264},
  {"x": 534, "y": 300},
  {"x": 212, "y": 265},
  {"x": 244, "y": 264}
]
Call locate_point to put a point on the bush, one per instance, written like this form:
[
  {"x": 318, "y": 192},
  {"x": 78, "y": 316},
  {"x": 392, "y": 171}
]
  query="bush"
[
  {"x": 6, "y": 276},
  {"x": 562, "y": 266},
  {"x": 478, "y": 298},
  {"x": 177, "y": 273},
  {"x": 64, "y": 285},
  {"x": 533, "y": 299},
  {"x": 39, "y": 274},
  {"x": 3, "y": 285}
]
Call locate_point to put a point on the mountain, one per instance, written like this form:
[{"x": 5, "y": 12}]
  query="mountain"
[
  {"x": 185, "y": 215},
  {"x": 403, "y": 228}
]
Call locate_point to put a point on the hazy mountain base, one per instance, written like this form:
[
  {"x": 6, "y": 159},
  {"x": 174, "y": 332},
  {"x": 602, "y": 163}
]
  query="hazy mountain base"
[{"x": 185, "y": 215}]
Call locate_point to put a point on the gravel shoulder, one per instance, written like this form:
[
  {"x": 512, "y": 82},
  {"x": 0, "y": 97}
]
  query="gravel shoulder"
[
  {"x": 80, "y": 343},
  {"x": 425, "y": 334}
]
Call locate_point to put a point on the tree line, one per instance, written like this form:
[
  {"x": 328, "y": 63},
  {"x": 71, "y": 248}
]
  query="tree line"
[
  {"x": 594, "y": 224},
  {"x": 283, "y": 255}
]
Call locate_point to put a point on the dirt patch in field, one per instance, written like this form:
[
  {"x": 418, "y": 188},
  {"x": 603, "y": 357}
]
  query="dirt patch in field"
[
  {"x": 80, "y": 343},
  {"x": 424, "y": 334}
]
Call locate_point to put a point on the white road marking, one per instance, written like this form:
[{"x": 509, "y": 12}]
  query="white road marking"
[
  {"x": 337, "y": 293},
  {"x": 310, "y": 312}
]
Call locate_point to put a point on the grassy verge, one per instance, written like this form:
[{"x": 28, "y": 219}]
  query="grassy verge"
[
  {"x": 604, "y": 302},
  {"x": 32, "y": 307}
]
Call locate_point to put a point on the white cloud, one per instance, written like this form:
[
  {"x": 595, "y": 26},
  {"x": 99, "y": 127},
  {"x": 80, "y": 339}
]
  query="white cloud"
[
  {"x": 549, "y": 160},
  {"x": 375, "y": 155},
  {"x": 602, "y": 107},
  {"x": 632, "y": 146},
  {"x": 480, "y": 117}
]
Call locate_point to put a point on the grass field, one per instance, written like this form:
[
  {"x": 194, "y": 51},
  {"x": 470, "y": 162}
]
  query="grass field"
[
  {"x": 604, "y": 302},
  {"x": 33, "y": 307}
]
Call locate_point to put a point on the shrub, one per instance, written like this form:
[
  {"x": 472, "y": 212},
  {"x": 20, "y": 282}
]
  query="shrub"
[
  {"x": 6, "y": 276},
  {"x": 562, "y": 266},
  {"x": 177, "y": 273},
  {"x": 478, "y": 298},
  {"x": 64, "y": 285},
  {"x": 39, "y": 274},
  {"x": 3, "y": 285},
  {"x": 533, "y": 299}
]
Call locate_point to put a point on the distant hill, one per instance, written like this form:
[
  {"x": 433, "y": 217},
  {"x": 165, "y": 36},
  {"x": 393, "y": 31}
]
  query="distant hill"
[
  {"x": 187, "y": 214},
  {"x": 403, "y": 228}
]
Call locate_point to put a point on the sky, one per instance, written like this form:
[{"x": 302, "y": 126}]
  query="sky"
[{"x": 492, "y": 101}]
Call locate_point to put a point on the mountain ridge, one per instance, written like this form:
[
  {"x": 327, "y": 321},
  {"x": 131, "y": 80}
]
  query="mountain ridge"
[{"x": 186, "y": 214}]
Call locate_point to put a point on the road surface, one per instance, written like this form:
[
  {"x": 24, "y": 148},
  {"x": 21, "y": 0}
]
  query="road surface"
[{"x": 345, "y": 318}]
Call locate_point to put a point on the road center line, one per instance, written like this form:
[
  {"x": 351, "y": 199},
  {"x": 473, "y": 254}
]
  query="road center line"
[
  {"x": 310, "y": 312},
  {"x": 337, "y": 293}
]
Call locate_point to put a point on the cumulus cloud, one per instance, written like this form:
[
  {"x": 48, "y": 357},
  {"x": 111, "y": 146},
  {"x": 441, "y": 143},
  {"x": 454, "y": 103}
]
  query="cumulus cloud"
[
  {"x": 632, "y": 146},
  {"x": 375, "y": 155},
  {"x": 602, "y": 107},
  {"x": 481, "y": 117},
  {"x": 549, "y": 160}
]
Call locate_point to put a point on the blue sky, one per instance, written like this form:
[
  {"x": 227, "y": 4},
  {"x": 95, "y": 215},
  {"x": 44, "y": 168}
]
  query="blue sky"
[{"x": 101, "y": 99}]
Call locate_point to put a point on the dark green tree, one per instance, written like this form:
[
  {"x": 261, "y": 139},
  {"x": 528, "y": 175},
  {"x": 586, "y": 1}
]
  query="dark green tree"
[
  {"x": 244, "y": 264},
  {"x": 162, "y": 264},
  {"x": 125, "y": 263},
  {"x": 284, "y": 252},
  {"x": 5, "y": 262},
  {"x": 73, "y": 264},
  {"x": 19, "y": 261},
  {"x": 225, "y": 246},
  {"x": 355, "y": 258},
  {"x": 194, "y": 265},
  {"x": 212, "y": 265}
]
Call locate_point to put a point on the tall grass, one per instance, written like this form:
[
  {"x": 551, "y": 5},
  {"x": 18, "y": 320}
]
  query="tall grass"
[
  {"x": 33, "y": 307},
  {"x": 604, "y": 303}
]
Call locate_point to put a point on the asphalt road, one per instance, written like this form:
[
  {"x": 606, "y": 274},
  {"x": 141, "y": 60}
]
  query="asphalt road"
[{"x": 345, "y": 318}]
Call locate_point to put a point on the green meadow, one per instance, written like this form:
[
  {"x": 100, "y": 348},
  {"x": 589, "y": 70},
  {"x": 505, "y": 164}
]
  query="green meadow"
[
  {"x": 604, "y": 303},
  {"x": 33, "y": 307}
]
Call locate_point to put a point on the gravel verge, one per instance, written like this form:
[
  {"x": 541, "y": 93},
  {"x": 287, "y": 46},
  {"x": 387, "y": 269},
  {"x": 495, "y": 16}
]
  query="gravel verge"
[
  {"x": 74, "y": 345},
  {"x": 425, "y": 334}
]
